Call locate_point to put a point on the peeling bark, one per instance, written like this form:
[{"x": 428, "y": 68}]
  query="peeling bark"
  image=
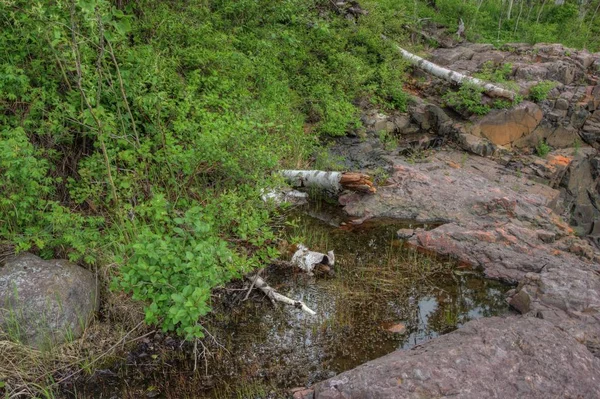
[
  {"x": 331, "y": 181},
  {"x": 453, "y": 76},
  {"x": 307, "y": 260}
]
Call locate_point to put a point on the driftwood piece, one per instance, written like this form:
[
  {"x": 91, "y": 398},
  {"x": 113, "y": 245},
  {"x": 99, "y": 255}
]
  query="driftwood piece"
[
  {"x": 274, "y": 296},
  {"x": 330, "y": 181},
  {"x": 453, "y": 76},
  {"x": 307, "y": 260}
]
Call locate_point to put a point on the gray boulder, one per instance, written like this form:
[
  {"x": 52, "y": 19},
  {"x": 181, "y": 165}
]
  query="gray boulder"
[{"x": 43, "y": 303}]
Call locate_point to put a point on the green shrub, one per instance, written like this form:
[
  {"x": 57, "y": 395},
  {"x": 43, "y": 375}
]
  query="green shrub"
[
  {"x": 145, "y": 139},
  {"x": 495, "y": 73},
  {"x": 175, "y": 262},
  {"x": 542, "y": 148},
  {"x": 468, "y": 98},
  {"x": 539, "y": 92}
]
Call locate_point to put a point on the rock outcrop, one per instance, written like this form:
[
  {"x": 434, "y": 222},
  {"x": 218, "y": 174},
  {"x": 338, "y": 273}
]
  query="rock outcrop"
[
  {"x": 516, "y": 357},
  {"x": 506, "y": 229},
  {"x": 43, "y": 303},
  {"x": 504, "y": 127},
  {"x": 569, "y": 115},
  {"x": 523, "y": 219},
  {"x": 490, "y": 216}
]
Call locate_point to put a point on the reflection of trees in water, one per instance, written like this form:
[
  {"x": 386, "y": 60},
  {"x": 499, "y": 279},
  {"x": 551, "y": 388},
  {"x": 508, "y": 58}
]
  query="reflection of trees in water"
[{"x": 467, "y": 298}]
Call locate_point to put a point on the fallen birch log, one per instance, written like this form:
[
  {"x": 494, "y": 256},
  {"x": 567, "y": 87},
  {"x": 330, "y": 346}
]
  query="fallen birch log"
[
  {"x": 274, "y": 296},
  {"x": 330, "y": 181},
  {"x": 453, "y": 76}
]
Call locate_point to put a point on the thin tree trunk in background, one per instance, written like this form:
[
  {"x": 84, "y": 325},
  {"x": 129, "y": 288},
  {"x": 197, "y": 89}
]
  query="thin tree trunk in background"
[
  {"x": 510, "y": 6},
  {"x": 499, "y": 27},
  {"x": 537, "y": 20},
  {"x": 593, "y": 18},
  {"x": 530, "y": 2},
  {"x": 479, "y": 3},
  {"x": 519, "y": 16},
  {"x": 583, "y": 10},
  {"x": 453, "y": 76}
]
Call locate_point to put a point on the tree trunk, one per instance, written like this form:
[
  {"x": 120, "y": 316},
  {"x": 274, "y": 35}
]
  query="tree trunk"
[
  {"x": 510, "y": 6},
  {"x": 333, "y": 182},
  {"x": 455, "y": 77},
  {"x": 537, "y": 20},
  {"x": 519, "y": 16}
]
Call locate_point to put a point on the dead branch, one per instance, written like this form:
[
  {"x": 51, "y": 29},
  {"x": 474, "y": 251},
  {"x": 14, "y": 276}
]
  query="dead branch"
[{"x": 274, "y": 296}]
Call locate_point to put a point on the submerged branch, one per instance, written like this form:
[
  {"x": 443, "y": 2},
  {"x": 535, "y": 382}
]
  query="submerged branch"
[{"x": 274, "y": 296}]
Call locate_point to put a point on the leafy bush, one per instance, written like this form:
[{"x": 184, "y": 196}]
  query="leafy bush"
[
  {"x": 539, "y": 92},
  {"x": 542, "y": 149},
  {"x": 468, "y": 98},
  {"x": 495, "y": 73},
  {"x": 146, "y": 138}
]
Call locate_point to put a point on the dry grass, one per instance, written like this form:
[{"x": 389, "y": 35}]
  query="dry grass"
[
  {"x": 30, "y": 372},
  {"x": 6, "y": 251}
]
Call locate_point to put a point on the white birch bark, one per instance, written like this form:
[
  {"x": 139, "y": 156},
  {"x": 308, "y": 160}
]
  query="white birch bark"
[
  {"x": 329, "y": 181},
  {"x": 510, "y": 6},
  {"x": 274, "y": 296},
  {"x": 333, "y": 182},
  {"x": 307, "y": 260},
  {"x": 453, "y": 76}
]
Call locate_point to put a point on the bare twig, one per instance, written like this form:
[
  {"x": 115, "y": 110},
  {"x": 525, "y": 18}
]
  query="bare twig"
[
  {"x": 76, "y": 54},
  {"x": 274, "y": 296},
  {"x": 252, "y": 286},
  {"x": 122, "y": 87}
]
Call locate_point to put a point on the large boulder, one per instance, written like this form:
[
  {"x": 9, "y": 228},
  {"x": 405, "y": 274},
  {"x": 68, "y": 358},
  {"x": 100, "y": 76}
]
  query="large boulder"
[
  {"x": 503, "y": 127},
  {"x": 43, "y": 303},
  {"x": 513, "y": 357}
]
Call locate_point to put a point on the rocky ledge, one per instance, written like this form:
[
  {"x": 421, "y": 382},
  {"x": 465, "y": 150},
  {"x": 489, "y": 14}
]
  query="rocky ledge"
[
  {"x": 529, "y": 220},
  {"x": 516, "y": 357},
  {"x": 506, "y": 224}
]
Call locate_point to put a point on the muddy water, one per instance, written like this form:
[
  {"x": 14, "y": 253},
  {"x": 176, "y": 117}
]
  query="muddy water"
[{"x": 383, "y": 297}]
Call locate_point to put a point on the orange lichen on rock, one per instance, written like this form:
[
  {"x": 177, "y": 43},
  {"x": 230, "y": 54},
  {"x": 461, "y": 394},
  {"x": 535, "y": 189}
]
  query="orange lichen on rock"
[{"x": 559, "y": 160}]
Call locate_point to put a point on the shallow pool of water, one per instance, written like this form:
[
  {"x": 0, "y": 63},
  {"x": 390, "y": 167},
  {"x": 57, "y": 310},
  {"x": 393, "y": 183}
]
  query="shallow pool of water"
[{"x": 384, "y": 297}]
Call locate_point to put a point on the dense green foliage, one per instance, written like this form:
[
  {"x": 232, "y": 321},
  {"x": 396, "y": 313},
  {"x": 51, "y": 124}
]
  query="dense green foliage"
[
  {"x": 143, "y": 134},
  {"x": 495, "y": 73},
  {"x": 468, "y": 98},
  {"x": 539, "y": 91},
  {"x": 574, "y": 24}
]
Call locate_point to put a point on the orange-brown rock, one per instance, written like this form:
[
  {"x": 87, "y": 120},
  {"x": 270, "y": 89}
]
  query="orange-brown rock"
[{"x": 503, "y": 127}]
